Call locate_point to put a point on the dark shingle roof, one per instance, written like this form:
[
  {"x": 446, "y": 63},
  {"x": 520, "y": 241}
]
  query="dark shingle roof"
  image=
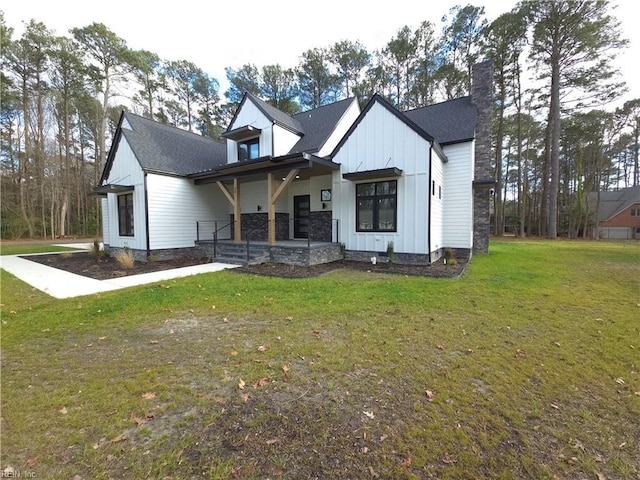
[
  {"x": 612, "y": 203},
  {"x": 165, "y": 149},
  {"x": 274, "y": 114},
  {"x": 448, "y": 122},
  {"x": 318, "y": 124}
]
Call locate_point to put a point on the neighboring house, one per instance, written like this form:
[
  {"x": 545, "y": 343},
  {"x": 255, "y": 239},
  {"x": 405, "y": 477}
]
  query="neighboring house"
[
  {"x": 311, "y": 187},
  {"x": 617, "y": 213}
]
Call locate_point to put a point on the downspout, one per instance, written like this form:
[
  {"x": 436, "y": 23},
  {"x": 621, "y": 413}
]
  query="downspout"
[
  {"x": 146, "y": 213},
  {"x": 429, "y": 195}
]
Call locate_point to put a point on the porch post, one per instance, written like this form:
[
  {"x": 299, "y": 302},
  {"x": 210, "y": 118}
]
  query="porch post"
[
  {"x": 274, "y": 193},
  {"x": 271, "y": 215},
  {"x": 237, "y": 230},
  {"x": 234, "y": 200}
]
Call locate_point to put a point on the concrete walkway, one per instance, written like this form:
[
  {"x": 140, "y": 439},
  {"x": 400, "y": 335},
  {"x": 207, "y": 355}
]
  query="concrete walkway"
[{"x": 62, "y": 284}]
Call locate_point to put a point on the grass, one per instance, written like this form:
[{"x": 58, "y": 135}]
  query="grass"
[
  {"x": 526, "y": 367},
  {"x": 24, "y": 248}
]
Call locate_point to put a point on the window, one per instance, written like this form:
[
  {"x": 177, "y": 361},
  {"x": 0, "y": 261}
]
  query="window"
[
  {"x": 248, "y": 150},
  {"x": 125, "y": 214},
  {"x": 635, "y": 212},
  {"x": 376, "y": 206}
]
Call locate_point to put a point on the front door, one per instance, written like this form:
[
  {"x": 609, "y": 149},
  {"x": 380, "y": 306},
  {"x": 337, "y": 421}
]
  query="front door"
[{"x": 301, "y": 211}]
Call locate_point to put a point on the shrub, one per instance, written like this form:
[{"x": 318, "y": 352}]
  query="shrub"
[{"x": 125, "y": 258}]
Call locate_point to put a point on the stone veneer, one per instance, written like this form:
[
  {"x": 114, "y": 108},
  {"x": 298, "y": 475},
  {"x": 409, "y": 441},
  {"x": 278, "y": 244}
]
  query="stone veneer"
[
  {"x": 484, "y": 176},
  {"x": 320, "y": 227},
  {"x": 256, "y": 226}
]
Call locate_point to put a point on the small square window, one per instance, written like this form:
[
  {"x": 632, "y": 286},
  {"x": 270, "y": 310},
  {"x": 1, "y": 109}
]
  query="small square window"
[{"x": 249, "y": 149}]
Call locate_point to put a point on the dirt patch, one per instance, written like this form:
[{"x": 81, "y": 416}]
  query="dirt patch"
[{"x": 86, "y": 264}]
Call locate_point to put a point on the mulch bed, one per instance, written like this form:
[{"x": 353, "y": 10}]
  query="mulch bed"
[
  {"x": 86, "y": 264},
  {"x": 437, "y": 269}
]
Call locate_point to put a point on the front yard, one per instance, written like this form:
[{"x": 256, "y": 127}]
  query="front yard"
[{"x": 527, "y": 366}]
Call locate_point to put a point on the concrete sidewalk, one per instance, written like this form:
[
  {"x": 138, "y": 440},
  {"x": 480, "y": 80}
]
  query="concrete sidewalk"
[{"x": 62, "y": 284}]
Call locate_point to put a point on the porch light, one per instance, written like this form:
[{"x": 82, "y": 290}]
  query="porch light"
[{"x": 259, "y": 208}]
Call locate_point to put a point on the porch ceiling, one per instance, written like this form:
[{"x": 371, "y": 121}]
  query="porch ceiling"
[{"x": 308, "y": 164}]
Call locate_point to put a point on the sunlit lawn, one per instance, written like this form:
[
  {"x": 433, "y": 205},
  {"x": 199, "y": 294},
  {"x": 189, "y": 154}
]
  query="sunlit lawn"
[{"x": 525, "y": 367}]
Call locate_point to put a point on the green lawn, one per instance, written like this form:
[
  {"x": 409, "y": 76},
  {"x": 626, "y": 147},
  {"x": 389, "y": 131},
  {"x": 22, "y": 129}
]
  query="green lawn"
[
  {"x": 525, "y": 367},
  {"x": 26, "y": 248}
]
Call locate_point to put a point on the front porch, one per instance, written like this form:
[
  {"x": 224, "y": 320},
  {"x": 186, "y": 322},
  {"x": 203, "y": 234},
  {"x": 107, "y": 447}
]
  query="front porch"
[{"x": 291, "y": 252}]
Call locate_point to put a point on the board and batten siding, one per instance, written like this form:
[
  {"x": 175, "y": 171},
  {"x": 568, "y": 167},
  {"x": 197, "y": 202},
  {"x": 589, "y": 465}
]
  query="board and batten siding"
[
  {"x": 381, "y": 140},
  {"x": 175, "y": 207},
  {"x": 437, "y": 202},
  {"x": 104, "y": 204},
  {"x": 126, "y": 170},
  {"x": 458, "y": 192}
]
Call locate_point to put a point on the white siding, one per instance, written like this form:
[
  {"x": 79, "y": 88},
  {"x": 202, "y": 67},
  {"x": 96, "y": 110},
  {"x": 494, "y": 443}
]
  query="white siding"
[
  {"x": 341, "y": 128},
  {"x": 458, "y": 194},
  {"x": 437, "y": 201},
  {"x": 104, "y": 204},
  {"x": 250, "y": 114},
  {"x": 176, "y": 204},
  {"x": 380, "y": 141},
  {"x": 127, "y": 171},
  {"x": 255, "y": 193},
  {"x": 283, "y": 140}
]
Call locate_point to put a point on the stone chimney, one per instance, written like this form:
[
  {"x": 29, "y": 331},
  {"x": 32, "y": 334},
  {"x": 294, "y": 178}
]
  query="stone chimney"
[{"x": 484, "y": 178}]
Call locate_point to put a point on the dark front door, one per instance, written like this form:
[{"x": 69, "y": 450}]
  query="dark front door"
[{"x": 301, "y": 210}]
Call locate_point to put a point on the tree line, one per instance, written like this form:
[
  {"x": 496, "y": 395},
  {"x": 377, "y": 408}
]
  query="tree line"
[{"x": 554, "y": 139}]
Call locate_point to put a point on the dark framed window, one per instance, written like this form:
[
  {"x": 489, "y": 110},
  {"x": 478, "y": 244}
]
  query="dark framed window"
[
  {"x": 125, "y": 214},
  {"x": 376, "y": 206},
  {"x": 249, "y": 149},
  {"x": 635, "y": 212}
]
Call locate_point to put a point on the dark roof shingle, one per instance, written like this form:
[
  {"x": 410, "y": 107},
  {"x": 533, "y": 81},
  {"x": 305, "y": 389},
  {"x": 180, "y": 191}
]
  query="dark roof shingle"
[
  {"x": 448, "y": 122},
  {"x": 170, "y": 150}
]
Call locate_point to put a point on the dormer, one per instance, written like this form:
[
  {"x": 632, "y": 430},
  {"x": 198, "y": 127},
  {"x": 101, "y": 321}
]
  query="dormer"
[{"x": 260, "y": 130}]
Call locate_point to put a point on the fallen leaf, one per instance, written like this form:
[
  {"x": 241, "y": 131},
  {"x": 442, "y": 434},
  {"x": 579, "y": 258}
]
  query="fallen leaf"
[
  {"x": 225, "y": 320},
  {"x": 620, "y": 381},
  {"x": 138, "y": 420},
  {"x": 120, "y": 438},
  {"x": 429, "y": 395},
  {"x": 440, "y": 346},
  {"x": 365, "y": 450},
  {"x": 520, "y": 353},
  {"x": 262, "y": 348},
  {"x": 637, "y": 393},
  {"x": 557, "y": 344},
  {"x": 234, "y": 353},
  {"x": 272, "y": 441},
  {"x": 601, "y": 476},
  {"x": 369, "y": 414},
  {"x": 148, "y": 395},
  {"x": 407, "y": 462},
  {"x": 101, "y": 338},
  {"x": 553, "y": 405},
  {"x": 373, "y": 473},
  {"x": 285, "y": 368},
  {"x": 63, "y": 410},
  {"x": 262, "y": 382},
  {"x": 622, "y": 445},
  {"x": 241, "y": 384},
  {"x": 448, "y": 460},
  {"x": 213, "y": 307},
  {"x": 154, "y": 342},
  {"x": 288, "y": 318},
  {"x": 245, "y": 397},
  {"x": 383, "y": 437}
]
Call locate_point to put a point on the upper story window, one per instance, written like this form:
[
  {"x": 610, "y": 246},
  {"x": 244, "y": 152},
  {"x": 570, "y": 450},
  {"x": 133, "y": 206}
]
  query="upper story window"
[
  {"x": 249, "y": 149},
  {"x": 635, "y": 212}
]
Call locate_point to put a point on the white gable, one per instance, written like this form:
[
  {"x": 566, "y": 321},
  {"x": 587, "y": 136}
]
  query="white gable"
[
  {"x": 349, "y": 116},
  {"x": 381, "y": 140}
]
